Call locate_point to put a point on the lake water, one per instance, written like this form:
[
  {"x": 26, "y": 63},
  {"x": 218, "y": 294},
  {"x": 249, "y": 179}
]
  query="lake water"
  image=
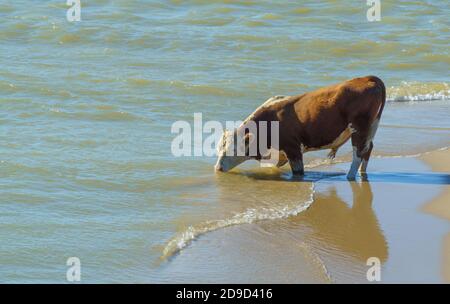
[{"x": 86, "y": 168}]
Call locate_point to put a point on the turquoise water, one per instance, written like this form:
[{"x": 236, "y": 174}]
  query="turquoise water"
[{"x": 87, "y": 107}]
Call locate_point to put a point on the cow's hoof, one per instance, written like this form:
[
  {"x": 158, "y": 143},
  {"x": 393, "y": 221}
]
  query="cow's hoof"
[
  {"x": 297, "y": 174},
  {"x": 351, "y": 177},
  {"x": 332, "y": 154}
]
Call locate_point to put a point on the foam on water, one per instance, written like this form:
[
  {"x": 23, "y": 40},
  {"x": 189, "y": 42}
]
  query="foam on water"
[
  {"x": 251, "y": 215},
  {"x": 416, "y": 91}
]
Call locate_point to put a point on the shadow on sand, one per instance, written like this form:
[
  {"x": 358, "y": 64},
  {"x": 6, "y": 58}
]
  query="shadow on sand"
[{"x": 383, "y": 177}]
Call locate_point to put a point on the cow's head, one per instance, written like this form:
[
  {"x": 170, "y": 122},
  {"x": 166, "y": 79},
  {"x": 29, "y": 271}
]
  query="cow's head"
[{"x": 233, "y": 150}]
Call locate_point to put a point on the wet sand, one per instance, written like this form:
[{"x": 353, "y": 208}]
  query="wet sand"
[
  {"x": 330, "y": 242},
  {"x": 440, "y": 206}
]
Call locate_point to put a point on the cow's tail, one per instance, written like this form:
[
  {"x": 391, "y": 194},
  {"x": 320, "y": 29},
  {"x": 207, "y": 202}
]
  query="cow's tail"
[{"x": 382, "y": 87}]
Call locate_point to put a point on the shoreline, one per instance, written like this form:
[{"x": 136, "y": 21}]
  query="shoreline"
[
  {"x": 330, "y": 242},
  {"x": 439, "y": 161}
]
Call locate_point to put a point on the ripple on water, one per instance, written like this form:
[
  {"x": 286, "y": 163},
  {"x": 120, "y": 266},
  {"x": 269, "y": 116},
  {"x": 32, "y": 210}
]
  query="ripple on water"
[{"x": 272, "y": 211}]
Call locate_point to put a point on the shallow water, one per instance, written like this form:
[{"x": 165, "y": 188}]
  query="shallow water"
[
  {"x": 85, "y": 160},
  {"x": 330, "y": 242}
]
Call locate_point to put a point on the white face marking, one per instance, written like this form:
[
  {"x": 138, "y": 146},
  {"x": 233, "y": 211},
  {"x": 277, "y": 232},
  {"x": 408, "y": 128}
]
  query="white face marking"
[
  {"x": 224, "y": 143},
  {"x": 227, "y": 153}
]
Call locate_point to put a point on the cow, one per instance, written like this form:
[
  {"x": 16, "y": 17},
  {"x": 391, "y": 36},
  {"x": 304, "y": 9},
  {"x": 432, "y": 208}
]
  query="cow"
[{"x": 322, "y": 119}]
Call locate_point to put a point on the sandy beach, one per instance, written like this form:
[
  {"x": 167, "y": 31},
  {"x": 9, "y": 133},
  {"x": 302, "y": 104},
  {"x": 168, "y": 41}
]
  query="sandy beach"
[
  {"x": 330, "y": 242},
  {"x": 440, "y": 206}
]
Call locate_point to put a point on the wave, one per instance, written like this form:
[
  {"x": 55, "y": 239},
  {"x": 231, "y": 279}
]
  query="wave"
[
  {"x": 99, "y": 116},
  {"x": 249, "y": 216},
  {"x": 416, "y": 91},
  {"x": 406, "y": 91}
]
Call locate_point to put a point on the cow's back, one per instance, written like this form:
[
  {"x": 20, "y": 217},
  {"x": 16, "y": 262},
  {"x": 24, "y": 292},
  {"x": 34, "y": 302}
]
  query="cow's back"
[{"x": 321, "y": 116}]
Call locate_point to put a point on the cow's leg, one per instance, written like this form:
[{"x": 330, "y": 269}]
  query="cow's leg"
[
  {"x": 338, "y": 142},
  {"x": 297, "y": 167},
  {"x": 361, "y": 148},
  {"x": 365, "y": 158},
  {"x": 296, "y": 162},
  {"x": 282, "y": 159},
  {"x": 356, "y": 162},
  {"x": 332, "y": 153}
]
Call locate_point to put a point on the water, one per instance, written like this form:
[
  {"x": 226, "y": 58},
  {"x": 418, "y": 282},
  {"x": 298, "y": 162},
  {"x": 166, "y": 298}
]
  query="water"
[{"x": 85, "y": 161}]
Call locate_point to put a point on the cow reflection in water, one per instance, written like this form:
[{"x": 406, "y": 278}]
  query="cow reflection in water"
[
  {"x": 353, "y": 229},
  {"x": 339, "y": 224}
]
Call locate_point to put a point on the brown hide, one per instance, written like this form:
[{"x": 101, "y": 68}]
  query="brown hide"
[{"x": 314, "y": 120}]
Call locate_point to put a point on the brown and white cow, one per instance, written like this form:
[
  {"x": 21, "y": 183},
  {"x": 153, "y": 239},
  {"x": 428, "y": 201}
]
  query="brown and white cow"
[{"x": 322, "y": 119}]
